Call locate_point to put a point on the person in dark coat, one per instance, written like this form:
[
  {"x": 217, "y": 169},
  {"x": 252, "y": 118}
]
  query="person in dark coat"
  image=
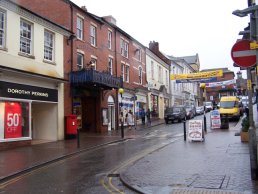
[
  {"x": 143, "y": 114},
  {"x": 148, "y": 115}
]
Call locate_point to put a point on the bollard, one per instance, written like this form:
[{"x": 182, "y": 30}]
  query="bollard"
[
  {"x": 204, "y": 122},
  {"x": 184, "y": 131},
  {"x": 122, "y": 130},
  {"x": 78, "y": 138}
]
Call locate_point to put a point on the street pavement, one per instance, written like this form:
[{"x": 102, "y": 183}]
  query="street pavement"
[
  {"x": 16, "y": 161},
  {"x": 220, "y": 164}
]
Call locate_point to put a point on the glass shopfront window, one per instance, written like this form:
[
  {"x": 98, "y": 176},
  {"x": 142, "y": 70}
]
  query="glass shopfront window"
[{"x": 14, "y": 120}]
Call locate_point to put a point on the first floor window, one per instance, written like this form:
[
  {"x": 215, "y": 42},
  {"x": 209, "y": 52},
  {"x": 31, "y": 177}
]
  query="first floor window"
[
  {"x": 140, "y": 75},
  {"x": 126, "y": 73},
  {"x": 80, "y": 61},
  {"x": 110, "y": 65},
  {"x": 48, "y": 45},
  {"x": 25, "y": 37},
  {"x": 2, "y": 28}
]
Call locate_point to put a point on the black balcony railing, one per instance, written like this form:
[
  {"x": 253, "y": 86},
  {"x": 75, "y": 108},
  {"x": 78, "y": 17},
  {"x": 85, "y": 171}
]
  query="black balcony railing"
[{"x": 91, "y": 77}]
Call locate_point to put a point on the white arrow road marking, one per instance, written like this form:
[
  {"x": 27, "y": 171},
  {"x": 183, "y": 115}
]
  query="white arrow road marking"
[{"x": 246, "y": 53}]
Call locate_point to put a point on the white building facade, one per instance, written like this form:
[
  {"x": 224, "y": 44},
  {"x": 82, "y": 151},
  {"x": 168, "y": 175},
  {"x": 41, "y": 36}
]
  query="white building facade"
[
  {"x": 183, "y": 93},
  {"x": 31, "y": 77},
  {"x": 158, "y": 84}
]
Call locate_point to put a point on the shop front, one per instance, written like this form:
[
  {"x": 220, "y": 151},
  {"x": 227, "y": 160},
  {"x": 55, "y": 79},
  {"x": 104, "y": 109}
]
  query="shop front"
[
  {"x": 94, "y": 99},
  {"x": 28, "y": 113}
]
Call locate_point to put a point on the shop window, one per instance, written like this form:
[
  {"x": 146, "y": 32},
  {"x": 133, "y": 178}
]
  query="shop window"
[{"x": 14, "y": 117}]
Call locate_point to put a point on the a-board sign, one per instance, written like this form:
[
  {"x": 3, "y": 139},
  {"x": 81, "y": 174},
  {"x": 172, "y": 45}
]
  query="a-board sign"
[
  {"x": 215, "y": 119},
  {"x": 195, "y": 130}
]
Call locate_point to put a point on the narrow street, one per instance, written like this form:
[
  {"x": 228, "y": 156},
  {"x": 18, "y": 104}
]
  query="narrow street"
[{"x": 98, "y": 170}]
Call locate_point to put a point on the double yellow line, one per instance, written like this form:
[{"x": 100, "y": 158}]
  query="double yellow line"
[{"x": 110, "y": 187}]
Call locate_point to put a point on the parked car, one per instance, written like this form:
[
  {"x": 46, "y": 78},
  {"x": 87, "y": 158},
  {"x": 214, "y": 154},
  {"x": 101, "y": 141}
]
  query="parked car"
[
  {"x": 208, "y": 106},
  {"x": 199, "y": 110},
  {"x": 189, "y": 112},
  {"x": 177, "y": 113}
]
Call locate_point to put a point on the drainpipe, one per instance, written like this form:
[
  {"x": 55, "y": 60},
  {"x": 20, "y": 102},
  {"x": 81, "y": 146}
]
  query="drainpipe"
[
  {"x": 71, "y": 29},
  {"x": 117, "y": 102}
]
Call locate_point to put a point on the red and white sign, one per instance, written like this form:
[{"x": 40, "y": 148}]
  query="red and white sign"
[
  {"x": 215, "y": 119},
  {"x": 195, "y": 131},
  {"x": 13, "y": 120},
  {"x": 242, "y": 55}
]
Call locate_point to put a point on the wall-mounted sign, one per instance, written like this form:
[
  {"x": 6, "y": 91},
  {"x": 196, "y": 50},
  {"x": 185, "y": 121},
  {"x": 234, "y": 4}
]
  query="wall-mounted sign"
[{"x": 13, "y": 90}]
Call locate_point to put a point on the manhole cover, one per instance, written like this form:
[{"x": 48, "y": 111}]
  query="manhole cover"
[{"x": 208, "y": 182}]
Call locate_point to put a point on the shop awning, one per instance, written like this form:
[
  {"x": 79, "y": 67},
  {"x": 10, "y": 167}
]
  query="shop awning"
[{"x": 91, "y": 77}]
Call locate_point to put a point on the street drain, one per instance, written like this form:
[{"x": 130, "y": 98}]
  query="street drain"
[
  {"x": 113, "y": 175},
  {"x": 208, "y": 182}
]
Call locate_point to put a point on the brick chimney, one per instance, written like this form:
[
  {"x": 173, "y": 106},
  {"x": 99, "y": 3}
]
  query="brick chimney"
[
  {"x": 110, "y": 19},
  {"x": 84, "y": 8},
  {"x": 154, "y": 46}
]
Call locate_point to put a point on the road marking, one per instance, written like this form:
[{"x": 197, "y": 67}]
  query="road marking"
[
  {"x": 110, "y": 187},
  {"x": 16, "y": 179},
  {"x": 105, "y": 186}
]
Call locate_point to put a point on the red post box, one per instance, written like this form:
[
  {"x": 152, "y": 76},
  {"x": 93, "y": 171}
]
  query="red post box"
[{"x": 71, "y": 126}]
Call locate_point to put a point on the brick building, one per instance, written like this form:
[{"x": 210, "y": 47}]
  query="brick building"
[
  {"x": 214, "y": 93},
  {"x": 98, "y": 59}
]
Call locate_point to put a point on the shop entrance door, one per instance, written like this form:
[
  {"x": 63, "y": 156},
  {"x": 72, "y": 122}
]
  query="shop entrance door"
[
  {"x": 111, "y": 117},
  {"x": 111, "y": 113},
  {"x": 89, "y": 114}
]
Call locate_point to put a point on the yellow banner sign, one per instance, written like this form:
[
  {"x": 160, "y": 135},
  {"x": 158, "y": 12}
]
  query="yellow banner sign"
[{"x": 200, "y": 75}]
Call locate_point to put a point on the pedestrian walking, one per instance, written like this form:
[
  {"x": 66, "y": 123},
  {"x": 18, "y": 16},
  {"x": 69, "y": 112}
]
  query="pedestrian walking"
[
  {"x": 129, "y": 119},
  {"x": 143, "y": 114},
  {"x": 148, "y": 115}
]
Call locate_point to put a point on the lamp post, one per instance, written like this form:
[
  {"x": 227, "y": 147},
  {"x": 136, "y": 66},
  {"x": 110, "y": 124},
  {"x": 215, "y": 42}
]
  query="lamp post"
[
  {"x": 253, "y": 11},
  {"x": 121, "y": 91},
  {"x": 202, "y": 88}
]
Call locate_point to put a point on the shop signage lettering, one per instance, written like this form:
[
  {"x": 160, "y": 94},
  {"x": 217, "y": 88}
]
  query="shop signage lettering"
[{"x": 13, "y": 90}]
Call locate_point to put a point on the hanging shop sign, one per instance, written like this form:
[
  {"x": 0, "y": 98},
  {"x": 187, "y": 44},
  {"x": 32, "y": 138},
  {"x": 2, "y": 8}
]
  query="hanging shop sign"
[
  {"x": 195, "y": 130},
  {"x": 215, "y": 119},
  {"x": 203, "y": 80},
  {"x": 13, "y": 90},
  {"x": 223, "y": 83},
  {"x": 200, "y": 75}
]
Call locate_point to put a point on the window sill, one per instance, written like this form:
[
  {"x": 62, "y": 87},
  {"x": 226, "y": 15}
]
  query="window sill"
[
  {"x": 49, "y": 62},
  {"x": 81, "y": 40},
  {"x": 94, "y": 46},
  {"x": 26, "y": 55}
]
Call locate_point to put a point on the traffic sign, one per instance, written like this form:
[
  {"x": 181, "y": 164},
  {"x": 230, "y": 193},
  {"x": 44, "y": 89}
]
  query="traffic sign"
[{"x": 242, "y": 55}]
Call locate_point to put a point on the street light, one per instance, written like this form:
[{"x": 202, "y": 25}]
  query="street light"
[
  {"x": 203, "y": 86},
  {"x": 121, "y": 91}
]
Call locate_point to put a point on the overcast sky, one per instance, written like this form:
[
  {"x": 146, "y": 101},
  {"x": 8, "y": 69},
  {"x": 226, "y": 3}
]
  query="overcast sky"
[{"x": 182, "y": 27}]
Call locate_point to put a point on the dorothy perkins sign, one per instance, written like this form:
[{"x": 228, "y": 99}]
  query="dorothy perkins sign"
[{"x": 13, "y": 90}]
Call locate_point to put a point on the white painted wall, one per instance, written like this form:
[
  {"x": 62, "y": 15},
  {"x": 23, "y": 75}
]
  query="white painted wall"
[{"x": 10, "y": 58}]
